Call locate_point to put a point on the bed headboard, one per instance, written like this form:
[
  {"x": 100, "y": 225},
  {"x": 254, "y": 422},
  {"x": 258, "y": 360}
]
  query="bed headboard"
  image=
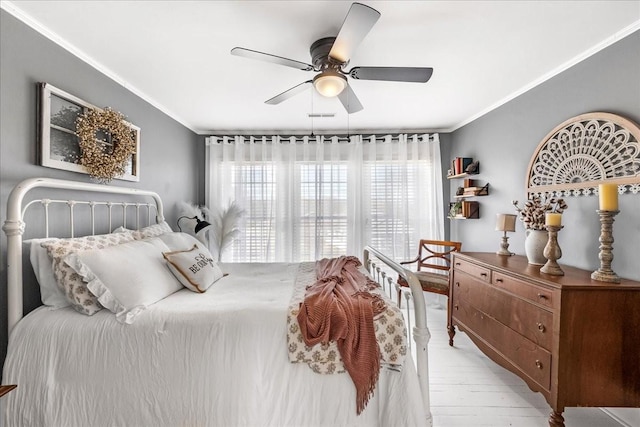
[{"x": 17, "y": 205}]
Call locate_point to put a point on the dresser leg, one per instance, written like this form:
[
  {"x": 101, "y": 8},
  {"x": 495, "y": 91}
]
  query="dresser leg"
[
  {"x": 452, "y": 332},
  {"x": 556, "y": 419}
]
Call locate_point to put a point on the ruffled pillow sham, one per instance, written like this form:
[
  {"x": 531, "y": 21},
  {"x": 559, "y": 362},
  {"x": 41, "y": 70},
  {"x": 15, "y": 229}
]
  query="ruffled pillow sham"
[
  {"x": 74, "y": 288},
  {"x": 153, "y": 230},
  {"x": 126, "y": 278}
]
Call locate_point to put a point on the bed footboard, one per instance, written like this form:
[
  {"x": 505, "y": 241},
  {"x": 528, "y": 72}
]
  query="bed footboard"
[{"x": 421, "y": 334}]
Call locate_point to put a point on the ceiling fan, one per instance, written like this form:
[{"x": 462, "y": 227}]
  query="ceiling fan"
[{"x": 330, "y": 56}]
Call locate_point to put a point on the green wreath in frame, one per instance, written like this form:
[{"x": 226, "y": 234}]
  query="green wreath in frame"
[{"x": 101, "y": 163}]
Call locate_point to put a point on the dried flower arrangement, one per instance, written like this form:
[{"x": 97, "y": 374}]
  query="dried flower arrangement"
[
  {"x": 101, "y": 164},
  {"x": 532, "y": 214}
]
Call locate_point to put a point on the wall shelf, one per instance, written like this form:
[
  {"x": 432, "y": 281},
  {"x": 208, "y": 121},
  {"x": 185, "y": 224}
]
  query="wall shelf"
[
  {"x": 461, "y": 175},
  {"x": 473, "y": 192},
  {"x": 461, "y": 208}
]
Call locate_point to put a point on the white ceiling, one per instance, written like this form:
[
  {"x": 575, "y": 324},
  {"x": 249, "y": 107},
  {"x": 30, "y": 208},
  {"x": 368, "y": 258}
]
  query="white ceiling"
[{"x": 175, "y": 54}]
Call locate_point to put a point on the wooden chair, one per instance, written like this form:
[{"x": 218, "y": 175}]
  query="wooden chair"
[{"x": 433, "y": 264}]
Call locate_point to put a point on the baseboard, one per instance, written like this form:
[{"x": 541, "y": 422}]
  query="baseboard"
[{"x": 616, "y": 417}]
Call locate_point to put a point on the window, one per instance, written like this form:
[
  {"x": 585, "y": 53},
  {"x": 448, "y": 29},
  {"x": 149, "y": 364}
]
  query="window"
[
  {"x": 322, "y": 218},
  {"x": 256, "y": 183},
  {"x": 392, "y": 186},
  {"x": 312, "y": 198}
]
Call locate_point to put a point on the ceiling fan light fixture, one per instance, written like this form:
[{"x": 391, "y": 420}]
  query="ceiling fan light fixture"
[{"x": 329, "y": 83}]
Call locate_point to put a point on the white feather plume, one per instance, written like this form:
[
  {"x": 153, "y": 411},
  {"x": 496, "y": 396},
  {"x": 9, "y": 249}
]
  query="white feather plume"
[{"x": 226, "y": 227}]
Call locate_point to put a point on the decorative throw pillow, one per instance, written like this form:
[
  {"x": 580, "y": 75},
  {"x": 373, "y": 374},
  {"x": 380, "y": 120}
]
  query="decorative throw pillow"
[
  {"x": 126, "y": 278},
  {"x": 74, "y": 288},
  {"x": 50, "y": 294},
  {"x": 194, "y": 268}
]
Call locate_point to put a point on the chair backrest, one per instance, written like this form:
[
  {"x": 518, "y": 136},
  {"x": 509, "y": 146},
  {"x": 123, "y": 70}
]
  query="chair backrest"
[{"x": 436, "y": 254}]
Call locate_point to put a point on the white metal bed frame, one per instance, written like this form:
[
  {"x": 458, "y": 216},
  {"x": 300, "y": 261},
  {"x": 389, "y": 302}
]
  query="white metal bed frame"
[
  {"x": 14, "y": 225},
  {"x": 421, "y": 334},
  {"x": 14, "y": 228}
]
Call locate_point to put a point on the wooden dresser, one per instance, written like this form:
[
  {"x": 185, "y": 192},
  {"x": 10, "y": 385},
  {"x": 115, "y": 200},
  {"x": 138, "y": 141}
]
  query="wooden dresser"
[{"x": 573, "y": 339}]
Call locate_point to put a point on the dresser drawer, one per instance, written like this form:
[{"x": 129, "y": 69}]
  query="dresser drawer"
[
  {"x": 532, "y": 321},
  {"x": 474, "y": 270},
  {"x": 531, "y": 359},
  {"x": 525, "y": 290}
]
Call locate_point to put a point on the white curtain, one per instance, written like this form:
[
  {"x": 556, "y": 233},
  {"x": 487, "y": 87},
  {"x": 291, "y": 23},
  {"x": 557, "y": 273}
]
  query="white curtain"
[{"x": 309, "y": 198}]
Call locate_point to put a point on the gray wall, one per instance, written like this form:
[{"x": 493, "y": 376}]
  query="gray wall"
[
  {"x": 505, "y": 139},
  {"x": 446, "y": 155},
  {"x": 170, "y": 153}
]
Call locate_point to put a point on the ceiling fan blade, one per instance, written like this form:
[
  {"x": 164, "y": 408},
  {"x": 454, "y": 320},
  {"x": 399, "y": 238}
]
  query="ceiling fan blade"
[
  {"x": 393, "y": 74},
  {"x": 350, "y": 101},
  {"x": 254, "y": 54},
  {"x": 357, "y": 24},
  {"x": 289, "y": 93}
]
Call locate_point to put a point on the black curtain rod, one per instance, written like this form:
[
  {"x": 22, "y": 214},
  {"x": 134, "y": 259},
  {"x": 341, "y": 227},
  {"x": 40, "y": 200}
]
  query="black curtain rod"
[{"x": 340, "y": 137}]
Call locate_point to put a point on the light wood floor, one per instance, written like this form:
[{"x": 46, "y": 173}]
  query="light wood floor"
[{"x": 470, "y": 390}]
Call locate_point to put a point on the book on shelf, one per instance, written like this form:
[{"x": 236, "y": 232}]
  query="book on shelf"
[
  {"x": 472, "y": 191},
  {"x": 460, "y": 164},
  {"x": 476, "y": 191},
  {"x": 470, "y": 209}
]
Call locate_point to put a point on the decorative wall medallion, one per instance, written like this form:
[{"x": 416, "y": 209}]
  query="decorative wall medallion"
[{"x": 584, "y": 151}]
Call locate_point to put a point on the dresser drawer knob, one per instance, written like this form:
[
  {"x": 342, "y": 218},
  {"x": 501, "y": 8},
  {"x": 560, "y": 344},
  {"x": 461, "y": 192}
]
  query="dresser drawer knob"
[
  {"x": 543, "y": 296},
  {"x": 538, "y": 364},
  {"x": 499, "y": 280},
  {"x": 458, "y": 284},
  {"x": 541, "y": 327},
  {"x": 455, "y": 306},
  {"x": 483, "y": 274}
]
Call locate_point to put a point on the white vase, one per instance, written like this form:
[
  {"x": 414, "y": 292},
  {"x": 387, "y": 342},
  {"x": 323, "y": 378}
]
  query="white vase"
[{"x": 534, "y": 244}]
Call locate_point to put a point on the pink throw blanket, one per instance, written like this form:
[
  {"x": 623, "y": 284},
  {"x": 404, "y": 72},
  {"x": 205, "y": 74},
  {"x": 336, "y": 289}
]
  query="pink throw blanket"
[{"x": 338, "y": 307}]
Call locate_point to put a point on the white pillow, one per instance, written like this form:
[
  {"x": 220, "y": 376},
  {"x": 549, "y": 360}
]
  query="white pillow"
[
  {"x": 126, "y": 278},
  {"x": 194, "y": 268},
  {"x": 50, "y": 294},
  {"x": 180, "y": 241}
]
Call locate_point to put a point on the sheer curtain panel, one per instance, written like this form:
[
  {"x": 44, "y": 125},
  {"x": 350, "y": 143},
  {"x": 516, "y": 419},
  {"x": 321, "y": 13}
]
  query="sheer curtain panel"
[{"x": 316, "y": 197}]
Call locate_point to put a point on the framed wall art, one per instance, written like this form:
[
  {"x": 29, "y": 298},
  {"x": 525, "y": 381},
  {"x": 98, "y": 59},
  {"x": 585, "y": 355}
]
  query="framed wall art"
[{"x": 59, "y": 145}]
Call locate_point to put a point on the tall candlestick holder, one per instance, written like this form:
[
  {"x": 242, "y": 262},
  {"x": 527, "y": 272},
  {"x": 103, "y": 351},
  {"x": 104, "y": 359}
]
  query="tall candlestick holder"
[
  {"x": 552, "y": 252},
  {"x": 605, "y": 273}
]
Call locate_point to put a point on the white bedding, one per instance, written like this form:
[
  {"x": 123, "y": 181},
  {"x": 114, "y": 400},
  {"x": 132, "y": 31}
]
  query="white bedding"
[{"x": 213, "y": 359}]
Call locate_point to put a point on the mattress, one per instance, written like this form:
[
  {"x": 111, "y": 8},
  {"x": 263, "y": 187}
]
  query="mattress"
[{"x": 213, "y": 359}]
